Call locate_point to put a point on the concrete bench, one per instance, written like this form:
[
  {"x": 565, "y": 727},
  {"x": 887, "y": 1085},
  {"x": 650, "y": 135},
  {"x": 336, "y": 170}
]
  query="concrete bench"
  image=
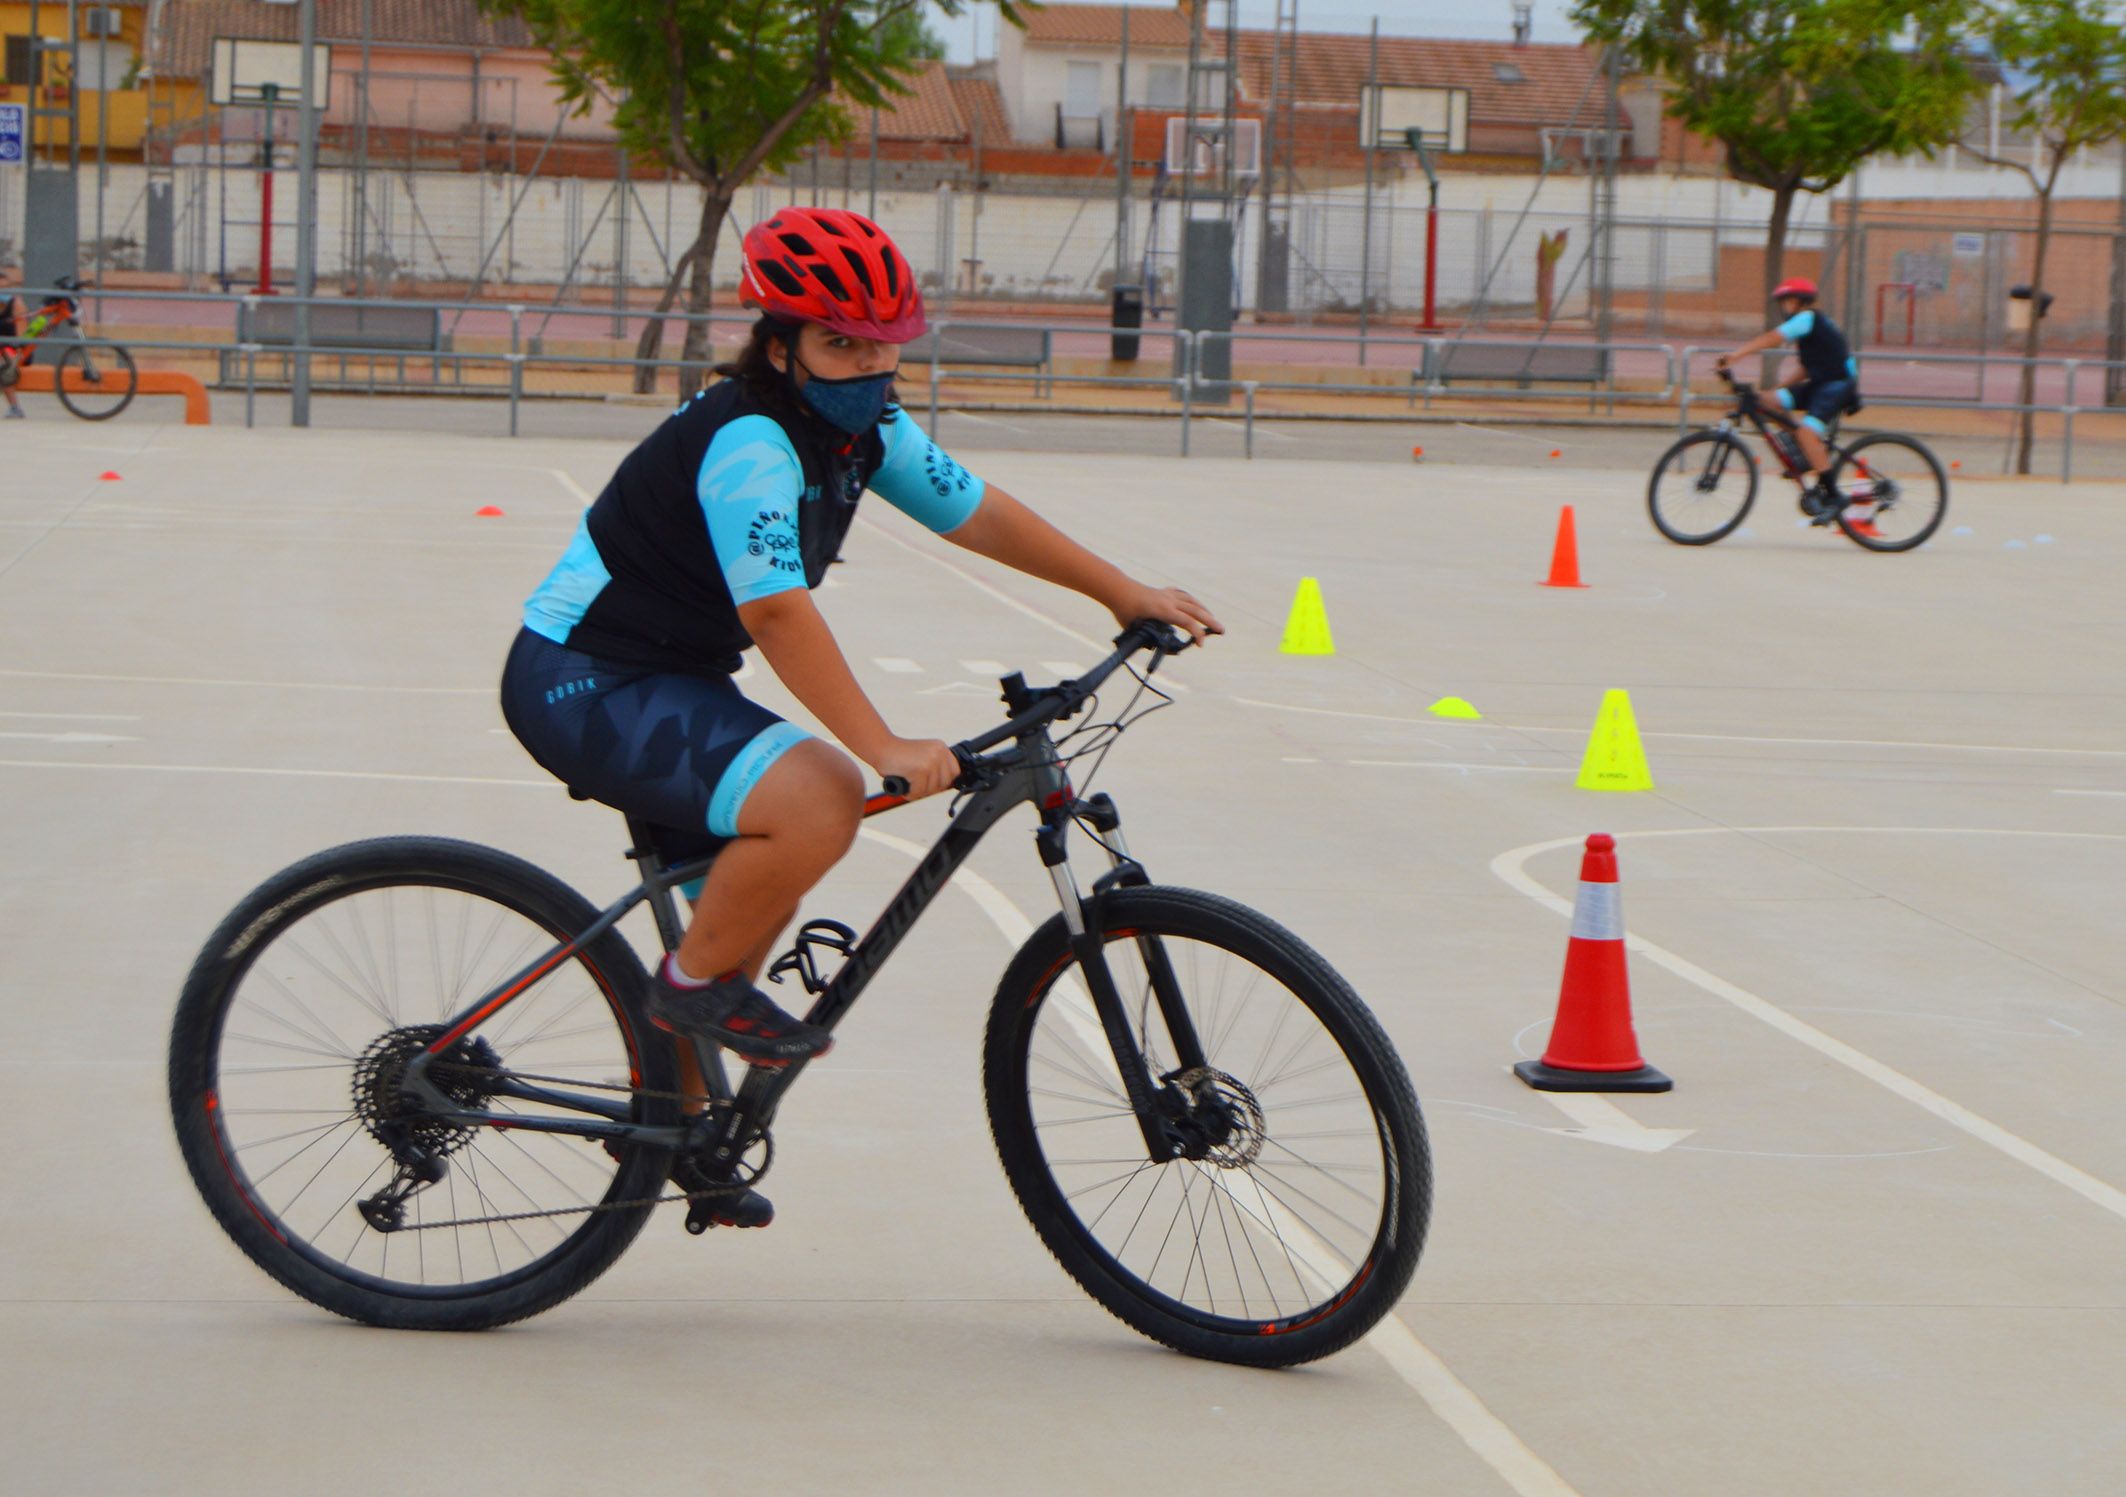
[
  {"x": 348, "y": 331},
  {"x": 995, "y": 347},
  {"x": 1521, "y": 364}
]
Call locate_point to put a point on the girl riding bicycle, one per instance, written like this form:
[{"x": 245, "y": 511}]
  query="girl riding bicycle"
[
  {"x": 708, "y": 540},
  {"x": 14, "y": 317}
]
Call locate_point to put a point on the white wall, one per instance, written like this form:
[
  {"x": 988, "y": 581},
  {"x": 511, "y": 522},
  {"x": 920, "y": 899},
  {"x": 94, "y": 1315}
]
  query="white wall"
[{"x": 1034, "y": 80}]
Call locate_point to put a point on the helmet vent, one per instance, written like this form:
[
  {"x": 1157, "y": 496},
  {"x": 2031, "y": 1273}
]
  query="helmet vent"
[
  {"x": 825, "y": 275},
  {"x": 780, "y": 278},
  {"x": 858, "y": 269},
  {"x": 893, "y": 280},
  {"x": 797, "y": 244}
]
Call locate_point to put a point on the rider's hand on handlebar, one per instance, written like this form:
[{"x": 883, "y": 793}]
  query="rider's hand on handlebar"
[
  {"x": 927, "y": 764},
  {"x": 1169, "y": 605},
  {"x": 1723, "y": 361}
]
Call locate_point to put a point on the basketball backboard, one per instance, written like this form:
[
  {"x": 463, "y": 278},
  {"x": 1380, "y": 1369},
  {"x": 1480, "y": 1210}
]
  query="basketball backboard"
[
  {"x": 1207, "y": 158},
  {"x": 266, "y": 74},
  {"x": 1388, "y": 113}
]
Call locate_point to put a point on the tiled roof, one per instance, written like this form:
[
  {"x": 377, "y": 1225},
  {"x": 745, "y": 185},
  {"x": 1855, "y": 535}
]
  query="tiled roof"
[
  {"x": 981, "y": 103},
  {"x": 190, "y": 26},
  {"x": 1101, "y": 26},
  {"x": 1332, "y": 70},
  {"x": 929, "y": 113}
]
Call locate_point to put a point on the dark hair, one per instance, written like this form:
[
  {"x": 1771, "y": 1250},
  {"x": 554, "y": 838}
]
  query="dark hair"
[{"x": 774, "y": 387}]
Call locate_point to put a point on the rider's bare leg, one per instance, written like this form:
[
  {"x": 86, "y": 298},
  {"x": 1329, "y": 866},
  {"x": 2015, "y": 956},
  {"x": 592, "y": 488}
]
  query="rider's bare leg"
[
  {"x": 691, "y": 1081},
  {"x": 1813, "y": 450},
  {"x": 794, "y": 826}
]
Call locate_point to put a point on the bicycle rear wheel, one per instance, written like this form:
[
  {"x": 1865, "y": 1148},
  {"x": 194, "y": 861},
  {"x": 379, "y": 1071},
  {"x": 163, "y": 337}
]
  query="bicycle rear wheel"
[
  {"x": 1702, "y": 488},
  {"x": 1298, "y": 1223},
  {"x": 1895, "y": 492},
  {"x": 96, "y": 381},
  {"x": 301, "y": 1014}
]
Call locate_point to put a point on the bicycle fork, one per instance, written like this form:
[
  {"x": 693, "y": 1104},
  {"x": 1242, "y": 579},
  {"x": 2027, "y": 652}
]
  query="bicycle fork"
[{"x": 1164, "y": 1112}]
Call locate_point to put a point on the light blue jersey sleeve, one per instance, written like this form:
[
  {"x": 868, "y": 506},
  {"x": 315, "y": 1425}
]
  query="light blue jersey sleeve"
[
  {"x": 1798, "y": 325},
  {"x": 750, "y": 486},
  {"x": 920, "y": 480}
]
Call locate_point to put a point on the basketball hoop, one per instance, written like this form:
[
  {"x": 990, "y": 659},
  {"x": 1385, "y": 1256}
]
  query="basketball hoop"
[{"x": 1206, "y": 155}]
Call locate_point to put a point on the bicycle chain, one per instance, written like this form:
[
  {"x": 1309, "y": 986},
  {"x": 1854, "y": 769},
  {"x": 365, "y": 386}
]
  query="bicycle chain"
[{"x": 735, "y": 1188}]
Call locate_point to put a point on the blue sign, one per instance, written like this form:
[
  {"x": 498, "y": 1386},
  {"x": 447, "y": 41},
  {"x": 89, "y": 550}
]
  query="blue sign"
[{"x": 11, "y": 118}]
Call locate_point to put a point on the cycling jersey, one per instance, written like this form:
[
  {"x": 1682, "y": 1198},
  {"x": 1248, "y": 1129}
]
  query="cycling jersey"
[
  {"x": 1824, "y": 353},
  {"x": 724, "y": 504}
]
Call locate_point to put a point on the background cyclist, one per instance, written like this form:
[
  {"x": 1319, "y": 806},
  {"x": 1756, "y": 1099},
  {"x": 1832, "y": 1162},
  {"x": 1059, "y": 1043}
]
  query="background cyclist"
[
  {"x": 708, "y": 540},
  {"x": 14, "y": 317},
  {"x": 1829, "y": 380}
]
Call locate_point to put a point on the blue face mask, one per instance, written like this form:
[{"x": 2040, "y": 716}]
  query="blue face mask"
[{"x": 851, "y": 405}]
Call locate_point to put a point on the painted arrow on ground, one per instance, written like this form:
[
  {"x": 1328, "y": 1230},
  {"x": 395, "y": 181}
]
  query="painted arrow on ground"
[{"x": 1603, "y": 1122}]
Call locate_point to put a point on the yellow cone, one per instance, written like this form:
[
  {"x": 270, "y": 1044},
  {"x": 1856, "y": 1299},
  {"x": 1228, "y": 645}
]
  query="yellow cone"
[
  {"x": 1615, "y": 760},
  {"x": 1306, "y": 632},
  {"x": 1454, "y": 707}
]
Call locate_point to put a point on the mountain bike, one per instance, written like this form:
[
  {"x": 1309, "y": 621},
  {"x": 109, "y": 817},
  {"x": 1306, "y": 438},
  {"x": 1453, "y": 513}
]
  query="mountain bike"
[
  {"x": 414, "y": 1080},
  {"x": 94, "y": 379},
  {"x": 1886, "y": 492}
]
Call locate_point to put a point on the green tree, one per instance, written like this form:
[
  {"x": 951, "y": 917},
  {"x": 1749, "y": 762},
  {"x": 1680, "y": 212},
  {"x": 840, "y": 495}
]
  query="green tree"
[
  {"x": 2064, "y": 65},
  {"x": 717, "y": 90},
  {"x": 1797, "y": 92}
]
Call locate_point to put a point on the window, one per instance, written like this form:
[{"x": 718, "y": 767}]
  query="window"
[
  {"x": 1507, "y": 72},
  {"x": 1081, "y": 91},
  {"x": 18, "y": 60},
  {"x": 1163, "y": 90}
]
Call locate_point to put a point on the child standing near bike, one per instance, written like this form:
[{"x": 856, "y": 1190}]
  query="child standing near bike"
[
  {"x": 708, "y": 541},
  {"x": 1828, "y": 385}
]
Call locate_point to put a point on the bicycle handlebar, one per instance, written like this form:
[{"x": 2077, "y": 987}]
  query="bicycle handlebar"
[{"x": 1050, "y": 704}]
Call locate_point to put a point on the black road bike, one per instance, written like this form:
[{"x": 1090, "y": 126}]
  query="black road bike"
[
  {"x": 414, "y": 1080},
  {"x": 1886, "y": 492}
]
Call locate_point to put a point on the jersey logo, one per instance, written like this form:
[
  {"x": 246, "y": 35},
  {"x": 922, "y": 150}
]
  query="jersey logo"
[
  {"x": 773, "y": 534},
  {"x": 945, "y": 474}
]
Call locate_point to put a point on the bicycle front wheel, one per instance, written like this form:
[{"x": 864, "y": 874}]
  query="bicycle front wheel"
[
  {"x": 1294, "y": 1221},
  {"x": 300, "y": 1017},
  {"x": 1702, "y": 488},
  {"x": 1894, "y": 490},
  {"x": 96, "y": 381}
]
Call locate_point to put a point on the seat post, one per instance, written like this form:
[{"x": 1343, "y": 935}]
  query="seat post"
[{"x": 664, "y": 904}]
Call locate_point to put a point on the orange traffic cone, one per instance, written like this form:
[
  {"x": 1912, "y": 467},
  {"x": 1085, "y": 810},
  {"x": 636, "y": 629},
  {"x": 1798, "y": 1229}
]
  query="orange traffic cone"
[
  {"x": 1592, "y": 1046},
  {"x": 1565, "y": 555}
]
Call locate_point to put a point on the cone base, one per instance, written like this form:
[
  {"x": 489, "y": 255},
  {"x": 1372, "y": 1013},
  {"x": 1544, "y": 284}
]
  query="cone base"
[{"x": 1546, "y": 1078}]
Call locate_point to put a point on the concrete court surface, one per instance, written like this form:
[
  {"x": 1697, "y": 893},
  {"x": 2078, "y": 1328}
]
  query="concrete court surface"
[{"x": 1872, "y": 1243}]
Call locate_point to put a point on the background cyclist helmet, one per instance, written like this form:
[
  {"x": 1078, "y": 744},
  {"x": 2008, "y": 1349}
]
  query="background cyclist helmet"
[
  {"x": 835, "y": 268},
  {"x": 1799, "y": 285}
]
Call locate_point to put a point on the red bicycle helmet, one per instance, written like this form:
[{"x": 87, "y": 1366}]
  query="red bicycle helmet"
[
  {"x": 834, "y": 268},
  {"x": 1797, "y": 285}
]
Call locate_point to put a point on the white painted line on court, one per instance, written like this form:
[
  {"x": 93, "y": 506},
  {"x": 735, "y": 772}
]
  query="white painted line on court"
[
  {"x": 1510, "y": 867},
  {"x": 975, "y": 582},
  {"x": 98, "y": 717},
  {"x": 1063, "y": 667},
  {"x": 981, "y": 420},
  {"x": 308, "y": 774},
  {"x": 983, "y": 667},
  {"x": 895, "y": 665},
  {"x": 568, "y": 482},
  {"x": 1603, "y": 1122},
  {"x": 1432, "y": 722},
  {"x": 1527, "y": 1473},
  {"x": 1450, "y": 764},
  {"x": 2089, "y": 792},
  {"x": 446, "y": 691},
  {"x": 72, "y": 735}
]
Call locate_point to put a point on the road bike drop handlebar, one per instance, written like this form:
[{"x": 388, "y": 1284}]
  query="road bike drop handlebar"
[{"x": 1036, "y": 706}]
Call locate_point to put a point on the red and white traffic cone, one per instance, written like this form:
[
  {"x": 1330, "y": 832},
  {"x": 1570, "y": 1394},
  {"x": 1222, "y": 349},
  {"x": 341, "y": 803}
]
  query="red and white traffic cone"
[{"x": 1592, "y": 1046}]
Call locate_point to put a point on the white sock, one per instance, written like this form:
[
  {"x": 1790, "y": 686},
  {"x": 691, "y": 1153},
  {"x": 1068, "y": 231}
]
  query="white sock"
[{"x": 676, "y": 975}]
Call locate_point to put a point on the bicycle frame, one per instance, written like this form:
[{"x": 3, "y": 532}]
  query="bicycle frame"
[{"x": 1032, "y": 774}]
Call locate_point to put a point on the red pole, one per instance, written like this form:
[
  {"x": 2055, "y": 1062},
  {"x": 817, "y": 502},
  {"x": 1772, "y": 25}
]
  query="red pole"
[
  {"x": 265, "y": 227},
  {"x": 1431, "y": 259}
]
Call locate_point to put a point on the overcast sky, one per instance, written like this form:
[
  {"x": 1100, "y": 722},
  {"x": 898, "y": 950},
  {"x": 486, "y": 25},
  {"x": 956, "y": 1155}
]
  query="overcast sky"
[{"x": 1475, "y": 18}]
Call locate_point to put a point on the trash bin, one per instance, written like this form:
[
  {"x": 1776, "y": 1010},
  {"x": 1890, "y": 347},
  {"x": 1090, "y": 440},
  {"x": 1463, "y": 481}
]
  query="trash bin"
[
  {"x": 1128, "y": 311},
  {"x": 2019, "y": 308}
]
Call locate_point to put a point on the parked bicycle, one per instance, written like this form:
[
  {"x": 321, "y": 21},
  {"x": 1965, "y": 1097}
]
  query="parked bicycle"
[
  {"x": 93, "y": 378},
  {"x": 1886, "y": 491},
  {"x": 415, "y": 1081}
]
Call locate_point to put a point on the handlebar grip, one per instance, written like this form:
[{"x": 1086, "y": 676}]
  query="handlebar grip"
[{"x": 893, "y": 784}]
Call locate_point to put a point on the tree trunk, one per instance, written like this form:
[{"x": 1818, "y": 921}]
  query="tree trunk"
[
  {"x": 694, "y": 353},
  {"x": 1774, "y": 266},
  {"x": 2027, "y": 393},
  {"x": 652, "y": 339}
]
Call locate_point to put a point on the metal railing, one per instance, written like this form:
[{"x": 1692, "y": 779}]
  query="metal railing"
[{"x": 1663, "y": 377}]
